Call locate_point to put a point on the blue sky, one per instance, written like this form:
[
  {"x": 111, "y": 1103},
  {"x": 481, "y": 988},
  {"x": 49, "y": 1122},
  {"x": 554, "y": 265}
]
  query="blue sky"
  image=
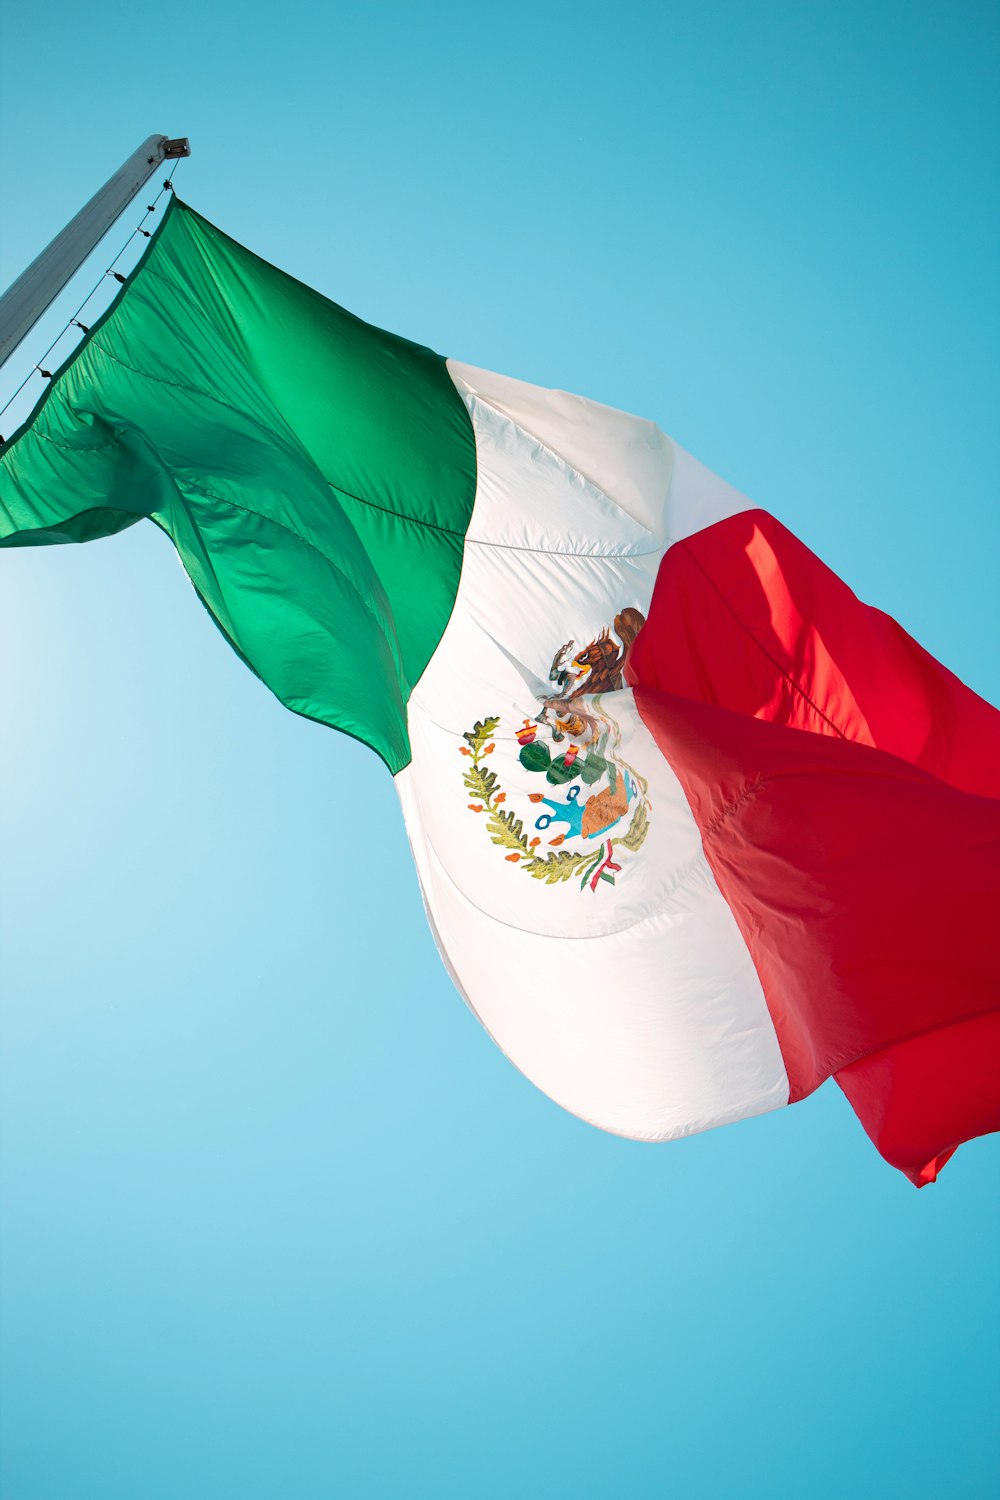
[{"x": 276, "y": 1218}]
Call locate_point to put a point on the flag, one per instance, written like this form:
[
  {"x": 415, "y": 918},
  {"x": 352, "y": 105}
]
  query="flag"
[{"x": 695, "y": 829}]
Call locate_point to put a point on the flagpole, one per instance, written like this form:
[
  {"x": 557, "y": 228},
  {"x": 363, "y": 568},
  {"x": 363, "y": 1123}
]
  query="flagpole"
[{"x": 34, "y": 291}]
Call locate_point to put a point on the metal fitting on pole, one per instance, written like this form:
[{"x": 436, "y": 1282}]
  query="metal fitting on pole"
[{"x": 36, "y": 289}]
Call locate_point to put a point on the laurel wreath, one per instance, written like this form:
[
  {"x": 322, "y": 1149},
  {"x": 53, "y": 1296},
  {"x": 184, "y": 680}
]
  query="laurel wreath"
[{"x": 506, "y": 829}]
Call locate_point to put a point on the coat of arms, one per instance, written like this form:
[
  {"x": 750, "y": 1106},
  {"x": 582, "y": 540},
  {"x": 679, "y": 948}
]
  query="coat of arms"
[{"x": 591, "y": 807}]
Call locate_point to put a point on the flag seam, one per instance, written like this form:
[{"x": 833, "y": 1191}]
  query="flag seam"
[
  {"x": 560, "y": 458},
  {"x": 175, "y": 385},
  {"x": 763, "y": 649},
  {"x": 246, "y": 510},
  {"x": 700, "y": 863},
  {"x": 731, "y": 808},
  {"x": 44, "y": 437},
  {"x": 193, "y": 390},
  {"x": 398, "y": 514},
  {"x": 601, "y": 557}
]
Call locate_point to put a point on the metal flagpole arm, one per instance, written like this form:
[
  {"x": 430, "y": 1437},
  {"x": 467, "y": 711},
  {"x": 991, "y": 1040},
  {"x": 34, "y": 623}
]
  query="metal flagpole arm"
[{"x": 36, "y": 289}]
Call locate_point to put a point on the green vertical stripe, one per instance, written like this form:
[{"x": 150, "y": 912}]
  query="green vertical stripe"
[{"x": 315, "y": 474}]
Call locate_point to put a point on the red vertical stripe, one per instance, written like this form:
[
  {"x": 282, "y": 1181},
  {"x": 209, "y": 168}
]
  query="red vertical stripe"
[
  {"x": 866, "y": 888},
  {"x": 746, "y": 617}
]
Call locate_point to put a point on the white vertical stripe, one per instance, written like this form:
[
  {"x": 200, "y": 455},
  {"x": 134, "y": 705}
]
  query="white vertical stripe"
[{"x": 635, "y": 1003}]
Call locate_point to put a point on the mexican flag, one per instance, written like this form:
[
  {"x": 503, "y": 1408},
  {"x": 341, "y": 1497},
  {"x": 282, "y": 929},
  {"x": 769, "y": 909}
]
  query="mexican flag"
[{"x": 696, "y": 829}]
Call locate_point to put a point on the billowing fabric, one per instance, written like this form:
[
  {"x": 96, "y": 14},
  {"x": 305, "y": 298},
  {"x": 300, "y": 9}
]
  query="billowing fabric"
[
  {"x": 315, "y": 474},
  {"x": 863, "y": 888},
  {"x": 866, "y": 889},
  {"x": 695, "y": 828},
  {"x": 631, "y": 999}
]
